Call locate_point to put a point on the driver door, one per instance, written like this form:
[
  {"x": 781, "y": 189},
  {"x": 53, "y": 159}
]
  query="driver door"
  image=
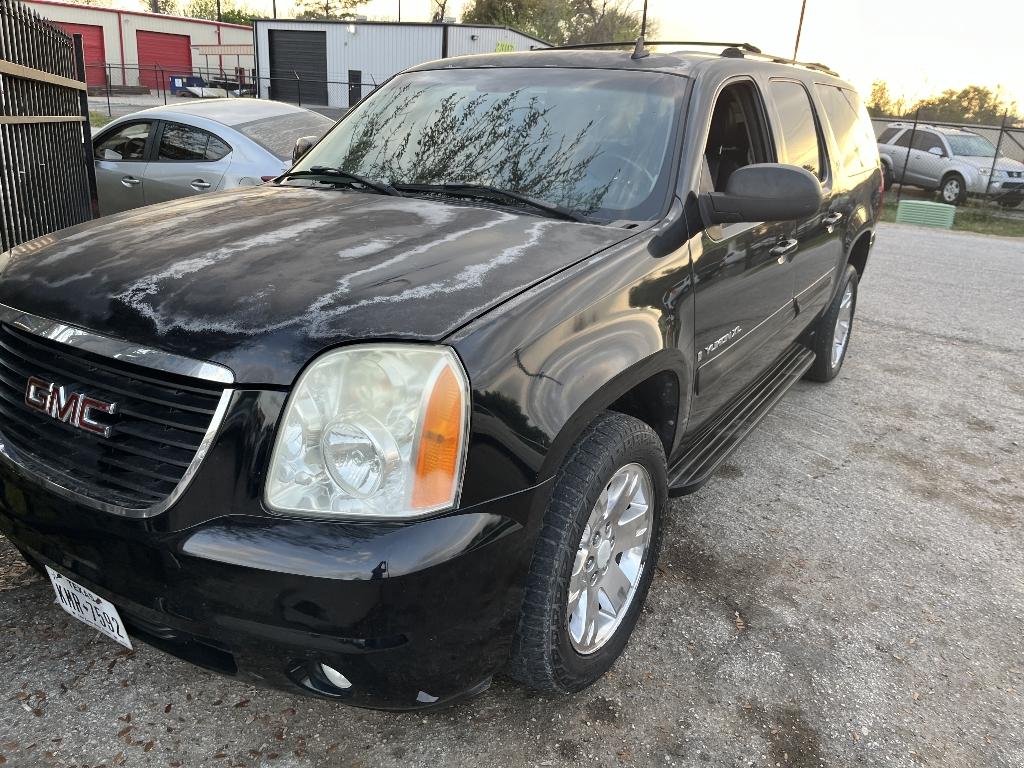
[
  {"x": 120, "y": 161},
  {"x": 743, "y": 277}
]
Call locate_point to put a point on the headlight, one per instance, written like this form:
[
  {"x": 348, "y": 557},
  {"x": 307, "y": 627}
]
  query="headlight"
[{"x": 373, "y": 431}]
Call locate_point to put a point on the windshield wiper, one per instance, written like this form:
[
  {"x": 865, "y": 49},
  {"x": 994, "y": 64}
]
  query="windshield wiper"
[
  {"x": 486, "y": 192},
  {"x": 323, "y": 170}
]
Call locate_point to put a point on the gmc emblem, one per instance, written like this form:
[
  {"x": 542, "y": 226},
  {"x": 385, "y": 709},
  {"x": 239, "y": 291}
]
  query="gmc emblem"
[{"x": 69, "y": 407}]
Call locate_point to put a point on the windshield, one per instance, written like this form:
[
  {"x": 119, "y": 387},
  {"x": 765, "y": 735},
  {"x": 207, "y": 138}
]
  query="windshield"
[
  {"x": 279, "y": 133},
  {"x": 970, "y": 144},
  {"x": 592, "y": 141}
]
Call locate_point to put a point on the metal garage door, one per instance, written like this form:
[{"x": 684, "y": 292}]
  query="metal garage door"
[
  {"x": 95, "y": 53},
  {"x": 162, "y": 55},
  {"x": 303, "y": 54}
]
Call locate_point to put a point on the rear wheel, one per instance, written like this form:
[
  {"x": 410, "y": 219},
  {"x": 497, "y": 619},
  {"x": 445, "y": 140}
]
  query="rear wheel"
[
  {"x": 887, "y": 177},
  {"x": 832, "y": 333},
  {"x": 953, "y": 189},
  {"x": 595, "y": 556}
]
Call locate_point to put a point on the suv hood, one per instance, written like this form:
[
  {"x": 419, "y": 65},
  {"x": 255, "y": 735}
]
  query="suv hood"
[
  {"x": 261, "y": 280},
  {"x": 985, "y": 163}
]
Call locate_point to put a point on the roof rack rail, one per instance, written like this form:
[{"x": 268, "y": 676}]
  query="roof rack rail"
[{"x": 631, "y": 43}]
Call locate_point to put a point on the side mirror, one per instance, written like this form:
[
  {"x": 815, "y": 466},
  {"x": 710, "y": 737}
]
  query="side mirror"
[
  {"x": 302, "y": 146},
  {"x": 763, "y": 192},
  {"x": 936, "y": 151}
]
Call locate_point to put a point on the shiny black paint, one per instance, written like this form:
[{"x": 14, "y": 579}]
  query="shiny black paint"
[{"x": 553, "y": 321}]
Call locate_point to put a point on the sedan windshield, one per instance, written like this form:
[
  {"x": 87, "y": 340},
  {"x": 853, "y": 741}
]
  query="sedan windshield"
[
  {"x": 593, "y": 142},
  {"x": 971, "y": 145}
]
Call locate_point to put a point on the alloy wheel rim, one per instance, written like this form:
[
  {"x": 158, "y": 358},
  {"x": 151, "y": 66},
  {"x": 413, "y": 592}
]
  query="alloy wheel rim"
[
  {"x": 841, "y": 334},
  {"x": 952, "y": 190},
  {"x": 611, "y": 558}
]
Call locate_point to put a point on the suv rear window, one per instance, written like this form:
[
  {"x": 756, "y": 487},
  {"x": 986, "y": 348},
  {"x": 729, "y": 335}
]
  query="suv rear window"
[
  {"x": 851, "y": 126},
  {"x": 888, "y": 134}
]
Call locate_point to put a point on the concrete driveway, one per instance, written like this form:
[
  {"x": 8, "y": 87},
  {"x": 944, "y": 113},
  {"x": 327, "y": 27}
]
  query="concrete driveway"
[{"x": 848, "y": 590}]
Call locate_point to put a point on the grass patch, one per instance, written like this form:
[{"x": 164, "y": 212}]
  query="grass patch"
[
  {"x": 985, "y": 221},
  {"x": 98, "y": 119}
]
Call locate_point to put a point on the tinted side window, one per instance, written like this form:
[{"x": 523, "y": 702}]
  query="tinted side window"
[
  {"x": 886, "y": 135},
  {"x": 183, "y": 142},
  {"x": 796, "y": 122},
  {"x": 904, "y": 140},
  {"x": 926, "y": 141},
  {"x": 129, "y": 143},
  {"x": 855, "y": 138}
]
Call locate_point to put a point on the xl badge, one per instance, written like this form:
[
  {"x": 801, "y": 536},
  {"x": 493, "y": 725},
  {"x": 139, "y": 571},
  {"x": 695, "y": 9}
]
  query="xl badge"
[{"x": 69, "y": 407}]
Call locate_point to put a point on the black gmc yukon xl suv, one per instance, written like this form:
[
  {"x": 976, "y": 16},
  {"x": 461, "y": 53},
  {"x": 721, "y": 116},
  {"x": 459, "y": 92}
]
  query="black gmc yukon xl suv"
[{"x": 410, "y": 414}]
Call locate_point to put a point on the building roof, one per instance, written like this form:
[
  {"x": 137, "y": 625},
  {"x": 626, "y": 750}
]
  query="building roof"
[{"x": 119, "y": 12}]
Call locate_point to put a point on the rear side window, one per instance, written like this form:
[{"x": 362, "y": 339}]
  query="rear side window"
[
  {"x": 886, "y": 135},
  {"x": 904, "y": 140},
  {"x": 855, "y": 138},
  {"x": 796, "y": 122},
  {"x": 186, "y": 143},
  {"x": 926, "y": 141}
]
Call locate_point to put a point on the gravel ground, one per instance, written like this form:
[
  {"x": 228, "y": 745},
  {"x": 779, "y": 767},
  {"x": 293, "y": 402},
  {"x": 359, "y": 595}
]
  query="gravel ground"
[{"x": 848, "y": 590}]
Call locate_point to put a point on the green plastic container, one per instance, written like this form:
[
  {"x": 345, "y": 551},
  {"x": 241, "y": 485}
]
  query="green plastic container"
[{"x": 926, "y": 213}]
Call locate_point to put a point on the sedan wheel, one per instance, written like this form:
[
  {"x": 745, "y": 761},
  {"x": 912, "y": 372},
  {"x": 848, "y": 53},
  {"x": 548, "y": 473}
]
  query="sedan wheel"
[{"x": 953, "y": 190}]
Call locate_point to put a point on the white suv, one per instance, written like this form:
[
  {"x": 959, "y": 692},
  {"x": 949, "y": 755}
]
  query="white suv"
[{"x": 953, "y": 161}]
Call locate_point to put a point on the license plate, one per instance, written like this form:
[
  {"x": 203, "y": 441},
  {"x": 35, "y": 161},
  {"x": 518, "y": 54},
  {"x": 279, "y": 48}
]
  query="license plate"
[{"x": 88, "y": 607}]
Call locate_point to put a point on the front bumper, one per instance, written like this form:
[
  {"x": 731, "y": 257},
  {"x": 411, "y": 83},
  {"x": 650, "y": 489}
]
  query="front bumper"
[{"x": 413, "y": 614}]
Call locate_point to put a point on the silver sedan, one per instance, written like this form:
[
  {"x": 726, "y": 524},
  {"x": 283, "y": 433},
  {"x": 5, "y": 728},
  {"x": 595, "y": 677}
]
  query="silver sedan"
[{"x": 169, "y": 152}]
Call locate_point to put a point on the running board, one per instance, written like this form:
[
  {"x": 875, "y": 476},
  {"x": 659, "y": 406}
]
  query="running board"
[{"x": 714, "y": 443}]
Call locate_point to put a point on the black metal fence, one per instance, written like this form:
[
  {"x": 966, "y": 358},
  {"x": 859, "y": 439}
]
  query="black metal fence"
[
  {"x": 978, "y": 167},
  {"x": 46, "y": 172}
]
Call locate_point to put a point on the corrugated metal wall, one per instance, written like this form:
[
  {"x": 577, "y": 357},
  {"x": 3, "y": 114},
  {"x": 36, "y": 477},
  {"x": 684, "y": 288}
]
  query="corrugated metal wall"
[{"x": 378, "y": 51}]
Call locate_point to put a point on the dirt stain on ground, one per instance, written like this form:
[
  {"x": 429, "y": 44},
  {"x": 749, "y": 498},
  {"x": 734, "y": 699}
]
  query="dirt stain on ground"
[{"x": 792, "y": 742}]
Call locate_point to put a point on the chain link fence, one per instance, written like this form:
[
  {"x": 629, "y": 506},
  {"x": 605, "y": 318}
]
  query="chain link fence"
[
  {"x": 976, "y": 167},
  {"x": 116, "y": 90}
]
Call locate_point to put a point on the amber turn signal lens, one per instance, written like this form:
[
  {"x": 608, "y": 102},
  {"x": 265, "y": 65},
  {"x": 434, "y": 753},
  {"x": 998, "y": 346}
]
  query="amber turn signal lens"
[{"x": 437, "y": 458}]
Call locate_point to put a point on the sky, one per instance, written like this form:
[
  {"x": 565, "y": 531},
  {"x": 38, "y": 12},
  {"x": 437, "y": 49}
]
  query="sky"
[{"x": 919, "y": 47}]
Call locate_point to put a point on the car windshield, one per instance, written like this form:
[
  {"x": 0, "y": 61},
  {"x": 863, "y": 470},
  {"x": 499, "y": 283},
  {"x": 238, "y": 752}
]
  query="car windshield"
[
  {"x": 970, "y": 144},
  {"x": 279, "y": 133},
  {"x": 594, "y": 142}
]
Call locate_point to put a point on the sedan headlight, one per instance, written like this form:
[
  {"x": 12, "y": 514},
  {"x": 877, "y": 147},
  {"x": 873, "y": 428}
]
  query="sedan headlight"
[{"x": 373, "y": 431}]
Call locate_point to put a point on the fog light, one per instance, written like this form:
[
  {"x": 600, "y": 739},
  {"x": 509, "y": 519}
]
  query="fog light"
[{"x": 335, "y": 677}]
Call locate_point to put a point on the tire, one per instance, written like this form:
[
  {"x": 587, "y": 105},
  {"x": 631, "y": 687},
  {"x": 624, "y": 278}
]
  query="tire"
[
  {"x": 887, "y": 177},
  {"x": 953, "y": 189},
  {"x": 828, "y": 355},
  {"x": 557, "y": 650}
]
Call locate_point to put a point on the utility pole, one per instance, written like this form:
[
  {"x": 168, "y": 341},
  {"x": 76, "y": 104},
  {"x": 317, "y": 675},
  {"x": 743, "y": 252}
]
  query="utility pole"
[
  {"x": 218, "y": 11},
  {"x": 273, "y": 6},
  {"x": 799, "y": 28},
  {"x": 399, "y": 11}
]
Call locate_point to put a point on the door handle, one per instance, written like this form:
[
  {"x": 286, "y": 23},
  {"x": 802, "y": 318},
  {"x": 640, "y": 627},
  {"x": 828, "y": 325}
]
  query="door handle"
[
  {"x": 199, "y": 184},
  {"x": 130, "y": 181},
  {"x": 831, "y": 220},
  {"x": 784, "y": 248}
]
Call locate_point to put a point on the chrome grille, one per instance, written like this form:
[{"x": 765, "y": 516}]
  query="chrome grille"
[{"x": 162, "y": 423}]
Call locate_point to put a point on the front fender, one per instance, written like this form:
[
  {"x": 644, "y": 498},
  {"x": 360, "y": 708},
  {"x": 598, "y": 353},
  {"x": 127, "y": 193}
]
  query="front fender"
[{"x": 545, "y": 364}]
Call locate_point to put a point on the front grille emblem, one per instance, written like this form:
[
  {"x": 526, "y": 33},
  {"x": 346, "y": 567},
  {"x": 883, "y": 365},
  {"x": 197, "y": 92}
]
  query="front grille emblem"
[{"x": 71, "y": 408}]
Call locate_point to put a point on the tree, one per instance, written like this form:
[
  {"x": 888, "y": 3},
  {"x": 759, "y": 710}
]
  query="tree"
[
  {"x": 881, "y": 104},
  {"x": 561, "y": 22},
  {"x": 973, "y": 104},
  {"x": 166, "y": 7},
  {"x": 207, "y": 9},
  {"x": 327, "y": 9},
  {"x": 440, "y": 11}
]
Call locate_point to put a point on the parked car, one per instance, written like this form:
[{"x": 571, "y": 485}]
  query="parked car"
[
  {"x": 953, "y": 161},
  {"x": 412, "y": 413},
  {"x": 164, "y": 153}
]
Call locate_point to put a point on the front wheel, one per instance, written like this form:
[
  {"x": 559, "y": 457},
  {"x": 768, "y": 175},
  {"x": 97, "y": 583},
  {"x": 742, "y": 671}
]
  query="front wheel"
[
  {"x": 595, "y": 556},
  {"x": 832, "y": 333},
  {"x": 953, "y": 189}
]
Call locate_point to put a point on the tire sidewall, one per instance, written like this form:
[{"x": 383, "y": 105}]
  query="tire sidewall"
[
  {"x": 573, "y": 669},
  {"x": 963, "y": 188},
  {"x": 849, "y": 279}
]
